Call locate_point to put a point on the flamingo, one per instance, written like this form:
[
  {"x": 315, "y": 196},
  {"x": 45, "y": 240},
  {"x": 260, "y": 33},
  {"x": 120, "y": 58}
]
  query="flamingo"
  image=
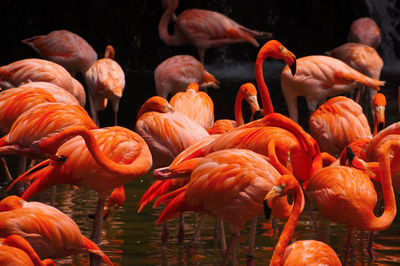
[
  {"x": 195, "y": 104},
  {"x": 105, "y": 80},
  {"x": 33, "y": 69},
  {"x": 318, "y": 77},
  {"x": 167, "y": 133},
  {"x": 100, "y": 159},
  {"x": 49, "y": 231},
  {"x": 114, "y": 202},
  {"x": 338, "y": 122},
  {"x": 64, "y": 48},
  {"x": 223, "y": 184},
  {"x": 177, "y": 72},
  {"x": 364, "y": 59},
  {"x": 61, "y": 95},
  {"x": 15, "y": 250},
  {"x": 339, "y": 190},
  {"x": 204, "y": 29},
  {"x": 365, "y": 30},
  {"x": 305, "y": 252}
]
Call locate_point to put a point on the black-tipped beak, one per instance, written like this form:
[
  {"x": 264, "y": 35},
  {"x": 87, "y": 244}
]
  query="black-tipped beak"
[
  {"x": 293, "y": 67},
  {"x": 381, "y": 126},
  {"x": 267, "y": 210},
  {"x": 257, "y": 115},
  {"x": 350, "y": 155}
]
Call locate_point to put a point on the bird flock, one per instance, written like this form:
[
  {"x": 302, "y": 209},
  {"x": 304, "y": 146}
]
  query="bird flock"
[{"x": 232, "y": 170}]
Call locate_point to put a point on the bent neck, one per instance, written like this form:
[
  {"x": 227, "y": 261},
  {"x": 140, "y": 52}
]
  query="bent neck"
[
  {"x": 174, "y": 39},
  {"x": 264, "y": 93},
  {"x": 140, "y": 166},
  {"x": 287, "y": 232},
  {"x": 238, "y": 109},
  {"x": 385, "y": 220}
]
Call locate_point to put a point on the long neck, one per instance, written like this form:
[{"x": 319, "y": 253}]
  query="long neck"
[
  {"x": 138, "y": 167},
  {"x": 174, "y": 39},
  {"x": 238, "y": 109},
  {"x": 264, "y": 94},
  {"x": 287, "y": 232},
  {"x": 385, "y": 220}
]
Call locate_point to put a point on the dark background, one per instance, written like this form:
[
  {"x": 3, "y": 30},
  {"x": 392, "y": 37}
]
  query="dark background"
[{"x": 304, "y": 27}]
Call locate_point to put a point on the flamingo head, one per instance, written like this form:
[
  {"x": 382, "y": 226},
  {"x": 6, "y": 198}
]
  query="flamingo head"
[
  {"x": 378, "y": 106},
  {"x": 276, "y": 50},
  {"x": 250, "y": 95},
  {"x": 156, "y": 104},
  {"x": 286, "y": 184}
]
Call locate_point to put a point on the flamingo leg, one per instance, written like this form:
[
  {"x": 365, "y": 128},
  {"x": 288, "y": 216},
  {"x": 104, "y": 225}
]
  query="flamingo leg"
[
  {"x": 164, "y": 235},
  {"x": 350, "y": 232},
  {"x": 308, "y": 202},
  {"x": 231, "y": 244},
  {"x": 53, "y": 195},
  {"x": 20, "y": 187},
  {"x": 97, "y": 227},
  {"x": 6, "y": 170},
  {"x": 253, "y": 231},
  {"x": 222, "y": 235},
  {"x": 369, "y": 247},
  {"x": 93, "y": 109},
  {"x": 181, "y": 232},
  {"x": 196, "y": 234}
]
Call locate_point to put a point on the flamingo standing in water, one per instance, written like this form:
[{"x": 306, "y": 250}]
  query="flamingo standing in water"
[
  {"x": 15, "y": 250},
  {"x": 305, "y": 252},
  {"x": 339, "y": 190},
  {"x": 177, "y": 72},
  {"x": 319, "y": 77},
  {"x": 204, "y": 29},
  {"x": 167, "y": 133},
  {"x": 195, "y": 104},
  {"x": 105, "y": 80},
  {"x": 49, "y": 231},
  {"x": 33, "y": 69},
  {"x": 365, "y": 30},
  {"x": 223, "y": 184},
  {"x": 64, "y": 48},
  {"x": 100, "y": 159}
]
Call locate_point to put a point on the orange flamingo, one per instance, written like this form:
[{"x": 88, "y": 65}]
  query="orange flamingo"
[
  {"x": 195, "y": 104},
  {"x": 365, "y": 30},
  {"x": 49, "y": 231},
  {"x": 319, "y": 77},
  {"x": 101, "y": 159},
  {"x": 61, "y": 95},
  {"x": 114, "y": 202},
  {"x": 305, "y": 252},
  {"x": 15, "y": 250},
  {"x": 338, "y": 122},
  {"x": 248, "y": 92},
  {"x": 38, "y": 123},
  {"x": 223, "y": 184},
  {"x": 167, "y": 133},
  {"x": 204, "y": 29},
  {"x": 105, "y": 80},
  {"x": 177, "y": 72},
  {"x": 65, "y": 48},
  {"x": 339, "y": 190},
  {"x": 33, "y": 69}
]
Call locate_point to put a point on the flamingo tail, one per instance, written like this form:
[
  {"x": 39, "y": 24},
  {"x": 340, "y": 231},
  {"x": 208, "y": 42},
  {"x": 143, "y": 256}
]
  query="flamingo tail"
[
  {"x": 93, "y": 248},
  {"x": 160, "y": 187},
  {"x": 176, "y": 206}
]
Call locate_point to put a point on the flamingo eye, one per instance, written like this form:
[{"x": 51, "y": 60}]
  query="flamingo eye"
[{"x": 281, "y": 48}]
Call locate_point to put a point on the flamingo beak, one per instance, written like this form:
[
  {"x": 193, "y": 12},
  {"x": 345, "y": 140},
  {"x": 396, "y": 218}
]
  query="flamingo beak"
[
  {"x": 253, "y": 103},
  {"x": 290, "y": 59},
  {"x": 293, "y": 67},
  {"x": 380, "y": 116},
  {"x": 273, "y": 193}
]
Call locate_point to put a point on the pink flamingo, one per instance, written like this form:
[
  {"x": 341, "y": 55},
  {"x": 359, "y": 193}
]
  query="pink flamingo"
[
  {"x": 365, "y": 30},
  {"x": 204, "y": 29}
]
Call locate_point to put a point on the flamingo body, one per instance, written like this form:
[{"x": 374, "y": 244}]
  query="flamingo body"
[
  {"x": 33, "y": 69},
  {"x": 65, "y": 48},
  {"x": 338, "y": 122},
  {"x": 195, "y": 104},
  {"x": 319, "y": 77},
  {"x": 176, "y": 73}
]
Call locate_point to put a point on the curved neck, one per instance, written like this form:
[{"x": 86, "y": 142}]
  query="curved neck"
[
  {"x": 140, "y": 166},
  {"x": 163, "y": 26},
  {"x": 264, "y": 93},
  {"x": 287, "y": 232},
  {"x": 238, "y": 109},
  {"x": 22, "y": 244},
  {"x": 385, "y": 220}
]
